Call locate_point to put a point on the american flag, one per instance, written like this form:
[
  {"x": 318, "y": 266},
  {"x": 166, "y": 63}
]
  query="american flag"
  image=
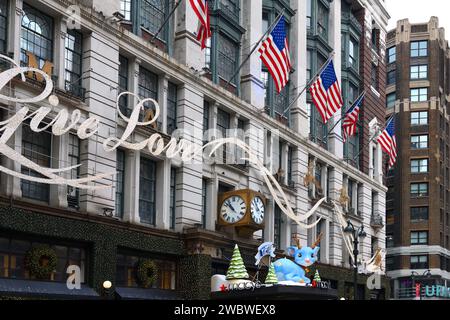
[
  {"x": 326, "y": 93},
  {"x": 351, "y": 118},
  {"x": 275, "y": 55},
  {"x": 388, "y": 142},
  {"x": 200, "y": 8}
]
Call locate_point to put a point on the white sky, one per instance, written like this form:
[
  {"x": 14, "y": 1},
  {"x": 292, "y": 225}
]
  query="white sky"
[{"x": 420, "y": 11}]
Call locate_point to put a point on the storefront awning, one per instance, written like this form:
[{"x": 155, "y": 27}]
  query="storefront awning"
[{"x": 146, "y": 294}]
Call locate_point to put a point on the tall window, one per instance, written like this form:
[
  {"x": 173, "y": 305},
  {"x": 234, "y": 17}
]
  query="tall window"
[
  {"x": 73, "y": 194},
  {"x": 223, "y": 125},
  {"x": 322, "y": 20},
  {"x": 36, "y": 36},
  {"x": 120, "y": 183},
  {"x": 419, "y": 72},
  {"x": 125, "y": 9},
  {"x": 231, "y": 8},
  {"x": 390, "y": 100},
  {"x": 308, "y": 14},
  {"x": 290, "y": 166},
  {"x": 353, "y": 53},
  {"x": 419, "y": 262},
  {"x": 205, "y": 121},
  {"x": 419, "y": 118},
  {"x": 392, "y": 55},
  {"x": 3, "y": 25},
  {"x": 173, "y": 199},
  {"x": 153, "y": 13},
  {"x": 147, "y": 191},
  {"x": 277, "y": 226},
  {"x": 123, "y": 85},
  {"x": 73, "y": 57},
  {"x": 148, "y": 88},
  {"x": 419, "y": 95},
  {"x": 391, "y": 77},
  {"x": 419, "y": 214},
  {"x": 172, "y": 101},
  {"x": 208, "y": 54},
  {"x": 204, "y": 200},
  {"x": 419, "y": 166},
  {"x": 419, "y": 142},
  {"x": 419, "y": 190},
  {"x": 227, "y": 58},
  {"x": 37, "y": 148},
  {"x": 419, "y": 49},
  {"x": 419, "y": 238},
  {"x": 374, "y": 76}
]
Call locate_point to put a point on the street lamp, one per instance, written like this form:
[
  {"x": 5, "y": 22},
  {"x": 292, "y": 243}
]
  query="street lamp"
[
  {"x": 415, "y": 275},
  {"x": 357, "y": 233}
]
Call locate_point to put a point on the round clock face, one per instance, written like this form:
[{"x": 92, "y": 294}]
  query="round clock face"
[
  {"x": 257, "y": 209},
  {"x": 233, "y": 209}
]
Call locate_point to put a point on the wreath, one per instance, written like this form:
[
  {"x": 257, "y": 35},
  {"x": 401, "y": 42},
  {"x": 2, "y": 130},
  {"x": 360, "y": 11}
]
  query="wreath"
[
  {"x": 146, "y": 273},
  {"x": 41, "y": 262}
]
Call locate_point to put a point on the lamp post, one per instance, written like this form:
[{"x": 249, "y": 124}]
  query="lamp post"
[
  {"x": 357, "y": 234},
  {"x": 415, "y": 275}
]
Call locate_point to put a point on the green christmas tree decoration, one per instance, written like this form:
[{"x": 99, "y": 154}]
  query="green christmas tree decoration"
[
  {"x": 317, "y": 276},
  {"x": 271, "y": 276},
  {"x": 237, "y": 270}
]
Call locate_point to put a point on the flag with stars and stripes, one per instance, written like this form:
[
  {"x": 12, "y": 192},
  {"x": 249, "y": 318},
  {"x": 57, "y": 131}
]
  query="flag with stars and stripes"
[
  {"x": 200, "y": 8},
  {"x": 275, "y": 55},
  {"x": 351, "y": 119},
  {"x": 388, "y": 142},
  {"x": 326, "y": 93}
]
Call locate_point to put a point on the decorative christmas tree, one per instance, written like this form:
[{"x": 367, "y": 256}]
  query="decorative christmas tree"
[
  {"x": 236, "y": 270},
  {"x": 271, "y": 276},
  {"x": 317, "y": 277}
]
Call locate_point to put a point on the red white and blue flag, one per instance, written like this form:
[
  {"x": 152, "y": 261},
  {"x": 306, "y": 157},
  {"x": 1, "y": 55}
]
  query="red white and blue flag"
[
  {"x": 388, "y": 142},
  {"x": 275, "y": 55},
  {"x": 326, "y": 93},
  {"x": 200, "y": 8},
  {"x": 351, "y": 119}
]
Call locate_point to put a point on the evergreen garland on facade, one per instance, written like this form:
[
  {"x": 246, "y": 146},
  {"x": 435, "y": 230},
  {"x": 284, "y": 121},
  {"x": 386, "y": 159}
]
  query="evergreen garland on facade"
[
  {"x": 317, "y": 276},
  {"x": 271, "y": 276},
  {"x": 237, "y": 270}
]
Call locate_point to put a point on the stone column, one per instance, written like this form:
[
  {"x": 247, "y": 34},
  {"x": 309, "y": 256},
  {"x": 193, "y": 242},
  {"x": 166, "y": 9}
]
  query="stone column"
[{"x": 163, "y": 172}]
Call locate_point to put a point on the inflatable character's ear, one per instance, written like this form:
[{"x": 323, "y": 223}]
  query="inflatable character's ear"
[
  {"x": 291, "y": 251},
  {"x": 316, "y": 250}
]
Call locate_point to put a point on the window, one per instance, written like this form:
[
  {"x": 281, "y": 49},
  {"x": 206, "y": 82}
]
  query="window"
[
  {"x": 37, "y": 148},
  {"x": 322, "y": 20},
  {"x": 390, "y": 100},
  {"x": 172, "y": 102},
  {"x": 375, "y": 38},
  {"x": 277, "y": 227},
  {"x": 231, "y": 8},
  {"x": 419, "y": 49},
  {"x": 148, "y": 88},
  {"x": 419, "y": 72},
  {"x": 419, "y": 166},
  {"x": 392, "y": 55},
  {"x": 123, "y": 85},
  {"x": 205, "y": 121},
  {"x": 153, "y": 14},
  {"x": 353, "y": 54},
  {"x": 12, "y": 259},
  {"x": 308, "y": 14},
  {"x": 419, "y": 238},
  {"x": 419, "y": 214},
  {"x": 391, "y": 77},
  {"x": 419, "y": 95},
  {"x": 208, "y": 54},
  {"x": 419, "y": 118},
  {"x": 390, "y": 240},
  {"x": 419, "y": 142},
  {"x": 120, "y": 183},
  {"x": 36, "y": 36},
  {"x": 3, "y": 26},
  {"x": 125, "y": 9},
  {"x": 419, "y": 262},
  {"x": 374, "y": 76},
  {"x": 309, "y": 65},
  {"x": 73, "y": 194},
  {"x": 290, "y": 166},
  {"x": 223, "y": 125},
  {"x": 73, "y": 56},
  {"x": 227, "y": 59},
  {"x": 204, "y": 201},
  {"x": 173, "y": 201},
  {"x": 147, "y": 191},
  {"x": 419, "y": 190}
]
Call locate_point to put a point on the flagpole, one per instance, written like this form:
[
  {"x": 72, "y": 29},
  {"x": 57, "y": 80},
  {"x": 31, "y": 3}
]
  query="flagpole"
[
  {"x": 308, "y": 84},
  {"x": 167, "y": 20},
  {"x": 269, "y": 30}
]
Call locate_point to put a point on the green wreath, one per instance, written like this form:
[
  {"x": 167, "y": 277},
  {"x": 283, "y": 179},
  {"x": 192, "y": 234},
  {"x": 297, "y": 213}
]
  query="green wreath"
[
  {"x": 146, "y": 273},
  {"x": 41, "y": 262}
]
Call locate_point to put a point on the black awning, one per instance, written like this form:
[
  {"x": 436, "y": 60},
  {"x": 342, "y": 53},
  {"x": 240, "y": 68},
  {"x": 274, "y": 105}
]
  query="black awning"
[
  {"x": 146, "y": 294},
  {"x": 42, "y": 289}
]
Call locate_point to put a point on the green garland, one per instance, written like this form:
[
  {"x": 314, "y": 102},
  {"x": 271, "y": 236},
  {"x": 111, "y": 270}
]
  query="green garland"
[
  {"x": 146, "y": 273},
  {"x": 41, "y": 262}
]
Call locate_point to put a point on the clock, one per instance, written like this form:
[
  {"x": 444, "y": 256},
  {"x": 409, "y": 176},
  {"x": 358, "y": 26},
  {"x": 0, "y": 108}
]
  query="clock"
[
  {"x": 233, "y": 209},
  {"x": 257, "y": 209}
]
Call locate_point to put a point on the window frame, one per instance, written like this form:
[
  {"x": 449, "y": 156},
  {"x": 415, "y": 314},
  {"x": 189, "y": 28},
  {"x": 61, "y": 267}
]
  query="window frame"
[
  {"x": 418, "y": 190},
  {"x": 391, "y": 57},
  {"x": 120, "y": 181},
  {"x": 418, "y": 52},
  {"x": 419, "y": 238},
  {"x": 420, "y": 165},
  {"x": 420, "y": 118},
  {"x": 422, "y": 142},
  {"x": 417, "y": 214},
  {"x": 416, "y": 72},
  {"x": 4, "y": 18},
  {"x": 421, "y": 92},
  {"x": 74, "y": 156},
  {"x": 147, "y": 165}
]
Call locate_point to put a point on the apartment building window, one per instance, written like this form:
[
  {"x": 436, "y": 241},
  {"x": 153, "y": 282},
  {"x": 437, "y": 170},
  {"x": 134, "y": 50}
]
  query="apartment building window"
[
  {"x": 123, "y": 85},
  {"x": 375, "y": 39},
  {"x": 73, "y": 58},
  {"x": 3, "y": 25},
  {"x": 419, "y": 72},
  {"x": 419, "y": 262},
  {"x": 322, "y": 20},
  {"x": 120, "y": 183},
  {"x": 147, "y": 191},
  {"x": 277, "y": 226},
  {"x": 419, "y": 49},
  {"x": 153, "y": 14},
  {"x": 36, "y": 36},
  {"x": 419, "y": 238},
  {"x": 419, "y": 95},
  {"x": 419, "y": 166},
  {"x": 390, "y": 100},
  {"x": 309, "y": 14},
  {"x": 73, "y": 194},
  {"x": 227, "y": 58},
  {"x": 173, "y": 199},
  {"x": 391, "y": 77},
  {"x": 392, "y": 55},
  {"x": 37, "y": 148},
  {"x": 419, "y": 190},
  {"x": 172, "y": 104},
  {"x": 223, "y": 125},
  {"x": 419, "y": 214},
  {"x": 125, "y": 9},
  {"x": 374, "y": 76},
  {"x": 204, "y": 201},
  {"x": 419, "y": 118},
  {"x": 419, "y": 142},
  {"x": 353, "y": 53},
  {"x": 148, "y": 88}
]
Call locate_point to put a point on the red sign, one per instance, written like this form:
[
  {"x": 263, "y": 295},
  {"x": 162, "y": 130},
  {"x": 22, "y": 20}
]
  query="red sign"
[{"x": 418, "y": 290}]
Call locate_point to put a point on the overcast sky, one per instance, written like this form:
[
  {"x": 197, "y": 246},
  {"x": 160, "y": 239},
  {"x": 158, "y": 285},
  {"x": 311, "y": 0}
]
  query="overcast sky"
[{"x": 420, "y": 11}]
